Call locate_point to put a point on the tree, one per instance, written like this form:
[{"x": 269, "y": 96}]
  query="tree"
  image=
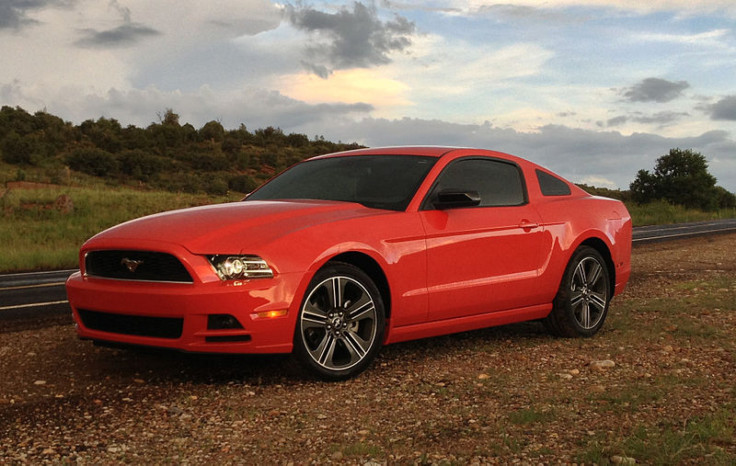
[
  {"x": 93, "y": 161},
  {"x": 680, "y": 177},
  {"x": 212, "y": 131},
  {"x": 726, "y": 199},
  {"x": 16, "y": 149}
]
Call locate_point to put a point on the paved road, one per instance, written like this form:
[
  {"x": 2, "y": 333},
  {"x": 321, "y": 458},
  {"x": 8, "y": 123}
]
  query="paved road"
[
  {"x": 654, "y": 233},
  {"x": 31, "y": 300}
]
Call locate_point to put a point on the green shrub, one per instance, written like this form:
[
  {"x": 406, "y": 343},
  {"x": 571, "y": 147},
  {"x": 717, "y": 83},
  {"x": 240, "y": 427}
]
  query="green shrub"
[
  {"x": 93, "y": 161},
  {"x": 242, "y": 183}
]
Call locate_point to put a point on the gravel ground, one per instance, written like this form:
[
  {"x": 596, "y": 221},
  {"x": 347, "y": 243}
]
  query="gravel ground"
[{"x": 504, "y": 395}]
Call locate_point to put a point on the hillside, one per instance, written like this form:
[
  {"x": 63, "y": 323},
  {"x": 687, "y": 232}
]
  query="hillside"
[{"x": 165, "y": 155}]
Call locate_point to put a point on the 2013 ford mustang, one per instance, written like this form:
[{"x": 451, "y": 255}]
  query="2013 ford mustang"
[{"x": 346, "y": 252}]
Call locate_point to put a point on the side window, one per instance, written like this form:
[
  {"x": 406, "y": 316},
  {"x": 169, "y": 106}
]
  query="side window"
[
  {"x": 551, "y": 185},
  {"x": 499, "y": 183}
]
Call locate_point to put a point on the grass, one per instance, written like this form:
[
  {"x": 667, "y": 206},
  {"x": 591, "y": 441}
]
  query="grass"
[
  {"x": 38, "y": 236},
  {"x": 530, "y": 416},
  {"x": 700, "y": 440},
  {"x": 664, "y": 213}
]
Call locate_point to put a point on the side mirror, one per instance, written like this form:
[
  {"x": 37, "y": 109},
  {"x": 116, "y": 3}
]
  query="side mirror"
[{"x": 452, "y": 199}]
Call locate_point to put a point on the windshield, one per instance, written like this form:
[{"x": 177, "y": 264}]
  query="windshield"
[{"x": 377, "y": 181}]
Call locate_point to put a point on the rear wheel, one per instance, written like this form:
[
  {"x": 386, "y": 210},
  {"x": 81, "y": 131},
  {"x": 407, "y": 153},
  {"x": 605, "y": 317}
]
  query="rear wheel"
[
  {"x": 341, "y": 322},
  {"x": 581, "y": 304}
]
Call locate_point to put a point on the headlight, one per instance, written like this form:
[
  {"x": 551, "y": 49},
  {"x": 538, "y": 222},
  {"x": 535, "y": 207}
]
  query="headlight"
[{"x": 240, "y": 267}]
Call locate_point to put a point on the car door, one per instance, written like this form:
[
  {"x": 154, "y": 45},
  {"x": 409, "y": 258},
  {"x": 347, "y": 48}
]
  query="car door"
[{"x": 486, "y": 257}]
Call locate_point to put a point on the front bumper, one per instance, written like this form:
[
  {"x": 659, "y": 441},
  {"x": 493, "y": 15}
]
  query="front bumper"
[{"x": 189, "y": 306}]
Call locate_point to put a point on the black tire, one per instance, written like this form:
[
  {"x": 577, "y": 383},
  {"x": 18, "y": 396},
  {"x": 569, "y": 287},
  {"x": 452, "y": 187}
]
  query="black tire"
[
  {"x": 581, "y": 304},
  {"x": 341, "y": 323}
]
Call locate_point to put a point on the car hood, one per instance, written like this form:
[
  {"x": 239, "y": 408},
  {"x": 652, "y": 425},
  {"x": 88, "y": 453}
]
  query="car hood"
[{"x": 233, "y": 227}]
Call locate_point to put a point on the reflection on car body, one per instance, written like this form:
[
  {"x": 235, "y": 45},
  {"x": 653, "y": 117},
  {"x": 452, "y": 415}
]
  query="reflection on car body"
[{"x": 346, "y": 252}]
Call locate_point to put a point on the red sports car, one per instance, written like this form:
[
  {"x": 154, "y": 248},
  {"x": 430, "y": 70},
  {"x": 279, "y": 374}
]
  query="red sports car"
[{"x": 346, "y": 252}]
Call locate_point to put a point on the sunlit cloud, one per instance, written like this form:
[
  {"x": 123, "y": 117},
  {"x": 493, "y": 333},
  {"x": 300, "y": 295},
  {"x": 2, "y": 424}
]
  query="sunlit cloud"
[{"x": 355, "y": 85}]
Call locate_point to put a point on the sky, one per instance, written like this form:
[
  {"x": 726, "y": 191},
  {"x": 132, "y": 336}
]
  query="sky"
[{"x": 594, "y": 90}]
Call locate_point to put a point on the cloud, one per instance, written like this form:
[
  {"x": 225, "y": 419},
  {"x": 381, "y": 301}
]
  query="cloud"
[
  {"x": 127, "y": 34},
  {"x": 655, "y": 90},
  {"x": 659, "y": 118},
  {"x": 513, "y": 12},
  {"x": 121, "y": 36},
  {"x": 580, "y": 155},
  {"x": 255, "y": 107},
  {"x": 13, "y": 12},
  {"x": 349, "y": 39},
  {"x": 724, "y": 109},
  {"x": 649, "y": 6},
  {"x": 712, "y": 38}
]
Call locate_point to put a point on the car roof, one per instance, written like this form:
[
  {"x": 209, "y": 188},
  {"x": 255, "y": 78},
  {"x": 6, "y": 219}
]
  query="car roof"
[{"x": 426, "y": 151}]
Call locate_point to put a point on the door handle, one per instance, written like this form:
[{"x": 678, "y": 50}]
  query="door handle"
[{"x": 528, "y": 225}]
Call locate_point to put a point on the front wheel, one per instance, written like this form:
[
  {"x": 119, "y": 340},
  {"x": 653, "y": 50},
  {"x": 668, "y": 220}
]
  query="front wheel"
[
  {"x": 341, "y": 322},
  {"x": 581, "y": 304}
]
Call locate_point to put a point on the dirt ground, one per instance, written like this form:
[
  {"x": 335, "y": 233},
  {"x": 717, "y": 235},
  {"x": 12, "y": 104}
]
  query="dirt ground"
[{"x": 504, "y": 395}]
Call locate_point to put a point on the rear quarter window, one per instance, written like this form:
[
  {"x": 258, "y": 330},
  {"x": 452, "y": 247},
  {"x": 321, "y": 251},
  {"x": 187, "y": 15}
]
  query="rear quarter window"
[{"x": 551, "y": 185}]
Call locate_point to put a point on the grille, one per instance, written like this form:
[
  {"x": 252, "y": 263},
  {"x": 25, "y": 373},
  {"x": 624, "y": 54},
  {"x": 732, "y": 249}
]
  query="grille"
[
  {"x": 158, "y": 327},
  {"x": 136, "y": 265}
]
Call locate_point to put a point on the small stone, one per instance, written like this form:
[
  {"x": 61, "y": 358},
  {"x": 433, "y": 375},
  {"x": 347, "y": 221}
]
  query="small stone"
[
  {"x": 139, "y": 381},
  {"x": 175, "y": 411},
  {"x": 483, "y": 377},
  {"x": 573, "y": 371},
  {"x": 622, "y": 460},
  {"x": 604, "y": 364},
  {"x": 668, "y": 349},
  {"x": 337, "y": 456},
  {"x": 321, "y": 416},
  {"x": 39, "y": 382},
  {"x": 564, "y": 376},
  {"x": 364, "y": 432}
]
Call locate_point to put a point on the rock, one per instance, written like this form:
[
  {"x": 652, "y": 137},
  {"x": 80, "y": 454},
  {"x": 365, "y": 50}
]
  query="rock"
[
  {"x": 483, "y": 377},
  {"x": 564, "y": 376},
  {"x": 39, "y": 382},
  {"x": 622, "y": 460},
  {"x": 604, "y": 364},
  {"x": 64, "y": 204}
]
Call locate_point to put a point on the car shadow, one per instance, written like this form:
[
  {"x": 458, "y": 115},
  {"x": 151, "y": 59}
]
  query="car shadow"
[{"x": 166, "y": 366}]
